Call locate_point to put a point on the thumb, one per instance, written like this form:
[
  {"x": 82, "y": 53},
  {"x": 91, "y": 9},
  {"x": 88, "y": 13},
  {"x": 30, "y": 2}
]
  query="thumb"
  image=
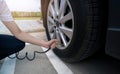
[{"x": 53, "y": 45}]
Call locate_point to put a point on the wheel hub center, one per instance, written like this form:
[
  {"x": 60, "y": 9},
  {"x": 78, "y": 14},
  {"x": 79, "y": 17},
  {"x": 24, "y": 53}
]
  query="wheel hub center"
[{"x": 57, "y": 23}]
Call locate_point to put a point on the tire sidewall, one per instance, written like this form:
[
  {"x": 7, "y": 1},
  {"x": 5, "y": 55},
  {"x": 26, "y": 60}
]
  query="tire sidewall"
[{"x": 79, "y": 29}]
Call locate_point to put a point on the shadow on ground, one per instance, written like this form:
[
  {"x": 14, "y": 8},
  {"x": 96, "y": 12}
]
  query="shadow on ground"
[{"x": 99, "y": 63}]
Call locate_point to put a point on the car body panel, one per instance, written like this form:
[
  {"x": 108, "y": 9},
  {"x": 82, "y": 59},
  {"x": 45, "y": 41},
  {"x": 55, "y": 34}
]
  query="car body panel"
[{"x": 113, "y": 34}]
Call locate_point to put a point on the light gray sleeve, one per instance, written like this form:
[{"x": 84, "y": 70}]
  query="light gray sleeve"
[{"x": 5, "y": 14}]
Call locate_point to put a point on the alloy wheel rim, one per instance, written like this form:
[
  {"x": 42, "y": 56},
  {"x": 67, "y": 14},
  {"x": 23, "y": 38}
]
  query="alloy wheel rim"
[{"x": 60, "y": 22}]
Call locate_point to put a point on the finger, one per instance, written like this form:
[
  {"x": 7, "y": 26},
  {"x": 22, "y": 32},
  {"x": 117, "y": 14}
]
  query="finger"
[
  {"x": 53, "y": 45},
  {"x": 54, "y": 40}
]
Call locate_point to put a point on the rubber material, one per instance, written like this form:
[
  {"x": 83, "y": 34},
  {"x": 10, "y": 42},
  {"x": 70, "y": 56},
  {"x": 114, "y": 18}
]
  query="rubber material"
[{"x": 89, "y": 31}]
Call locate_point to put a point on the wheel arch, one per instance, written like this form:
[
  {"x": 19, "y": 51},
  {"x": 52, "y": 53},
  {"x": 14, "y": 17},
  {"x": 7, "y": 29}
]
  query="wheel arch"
[{"x": 44, "y": 6}]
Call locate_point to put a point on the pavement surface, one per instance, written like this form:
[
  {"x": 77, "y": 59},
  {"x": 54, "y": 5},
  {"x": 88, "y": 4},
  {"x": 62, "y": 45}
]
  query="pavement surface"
[
  {"x": 25, "y": 25},
  {"x": 43, "y": 64},
  {"x": 49, "y": 63}
]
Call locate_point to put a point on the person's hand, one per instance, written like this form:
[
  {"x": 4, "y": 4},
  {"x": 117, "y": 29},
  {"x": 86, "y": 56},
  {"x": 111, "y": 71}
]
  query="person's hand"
[
  {"x": 51, "y": 44},
  {"x": 54, "y": 44}
]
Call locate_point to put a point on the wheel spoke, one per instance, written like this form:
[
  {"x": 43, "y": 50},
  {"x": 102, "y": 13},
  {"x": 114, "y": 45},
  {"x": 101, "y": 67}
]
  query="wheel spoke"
[
  {"x": 52, "y": 11},
  {"x": 66, "y": 18},
  {"x": 68, "y": 32},
  {"x": 51, "y": 28},
  {"x": 53, "y": 35},
  {"x": 63, "y": 38},
  {"x": 63, "y": 5},
  {"x": 58, "y": 36},
  {"x": 60, "y": 22},
  {"x": 56, "y": 5},
  {"x": 51, "y": 20}
]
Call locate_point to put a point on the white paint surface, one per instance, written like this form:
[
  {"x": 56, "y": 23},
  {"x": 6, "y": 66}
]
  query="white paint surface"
[
  {"x": 8, "y": 66},
  {"x": 59, "y": 66}
]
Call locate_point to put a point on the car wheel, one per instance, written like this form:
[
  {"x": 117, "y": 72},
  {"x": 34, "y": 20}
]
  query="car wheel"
[{"x": 79, "y": 26}]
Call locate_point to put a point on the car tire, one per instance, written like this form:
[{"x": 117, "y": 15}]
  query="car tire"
[{"x": 87, "y": 26}]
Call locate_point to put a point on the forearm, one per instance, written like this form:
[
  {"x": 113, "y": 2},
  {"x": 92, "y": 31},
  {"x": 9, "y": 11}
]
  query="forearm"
[
  {"x": 15, "y": 30},
  {"x": 26, "y": 37},
  {"x": 30, "y": 39}
]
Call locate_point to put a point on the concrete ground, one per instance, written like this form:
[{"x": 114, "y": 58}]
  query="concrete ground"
[
  {"x": 49, "y": 63},
  {"x": 42, "y": 64},
  {"x": 25, "y": 25}
]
